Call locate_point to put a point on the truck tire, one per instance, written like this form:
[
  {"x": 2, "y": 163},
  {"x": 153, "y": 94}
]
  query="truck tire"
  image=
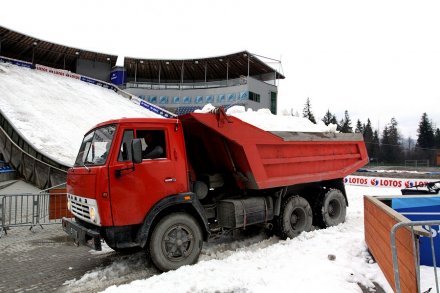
[
  {"x": 295, "y": 217},
  {"x": 176, "y": 241},
  {"x": 331, "y": 209}
]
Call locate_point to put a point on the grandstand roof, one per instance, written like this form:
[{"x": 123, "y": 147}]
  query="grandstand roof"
[
  {"x": 23, "y": 47},
  {"x": 216, "y": 68}
]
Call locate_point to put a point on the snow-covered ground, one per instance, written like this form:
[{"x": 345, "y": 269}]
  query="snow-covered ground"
[
  {"x": 261, "y": 264},
  {"x": 54, "y": 112}
]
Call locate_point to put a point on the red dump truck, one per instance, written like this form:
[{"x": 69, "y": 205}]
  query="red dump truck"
[{"x": 167, "y": 185}]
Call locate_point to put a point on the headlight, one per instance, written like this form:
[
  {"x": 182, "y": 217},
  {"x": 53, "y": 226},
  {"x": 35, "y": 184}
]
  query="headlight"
[
  {"x": 93, "y": 214},
  {"x": 69, "y": 205}
]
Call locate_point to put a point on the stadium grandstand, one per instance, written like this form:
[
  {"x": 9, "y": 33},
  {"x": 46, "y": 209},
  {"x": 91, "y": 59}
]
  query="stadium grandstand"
[{"x": 179, "y": 86}]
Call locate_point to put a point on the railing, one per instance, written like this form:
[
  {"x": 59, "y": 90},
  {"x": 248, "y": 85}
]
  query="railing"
[
  {"x": 186, "y": 85},
  {"x": 400, "y": 245},
  {"x": 416, "y": 163},
  {"x": 40, "y": 169},
  {"x": 397, "y": 263},
  {"x": 44, "y": 208}
]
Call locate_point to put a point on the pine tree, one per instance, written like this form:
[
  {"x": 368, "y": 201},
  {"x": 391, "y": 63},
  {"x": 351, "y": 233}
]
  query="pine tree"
[
  {"x": 334, "y": 120},
  {"x": 368, "y": 131},
  {"x": 391, "y": 145},
  {"x": 368, "y": 138},
  {"x": 437, "y": 138},
  {"x": 307, "y": 111},
  {"x": 385, "y": 148},
  {"x": 346, "y": 123},
  {"x": 426, "y": 133},
  {"x": 359, "y": 127},
  {"x": 327, "y": 119},
  {"x": 394, "y": 132},
  {"x": 375, "y": 154}
]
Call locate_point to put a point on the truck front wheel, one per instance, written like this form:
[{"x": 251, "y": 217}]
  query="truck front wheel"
[
  {"x": 331, "y": 210},
  {"x": 295, "y": 217},
  {"x": 176, "y": 241}
]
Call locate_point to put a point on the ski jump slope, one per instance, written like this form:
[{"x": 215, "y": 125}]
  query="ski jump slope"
[{"x": 54, "y": 112}]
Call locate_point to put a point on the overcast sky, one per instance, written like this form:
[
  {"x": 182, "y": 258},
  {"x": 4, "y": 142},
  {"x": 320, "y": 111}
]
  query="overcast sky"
[{"x": 376, "y": 59}]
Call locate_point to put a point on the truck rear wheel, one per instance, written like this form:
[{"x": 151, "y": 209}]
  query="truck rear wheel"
[
  {"x": 176, "y": 241},
  {"x": 295, "y": 217},
  {"x": 331, "y": 210}
]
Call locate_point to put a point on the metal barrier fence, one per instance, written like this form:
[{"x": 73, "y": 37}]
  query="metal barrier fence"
[
  {"x": 427, "y": 225},
  {"x": 44, "y": 208}
]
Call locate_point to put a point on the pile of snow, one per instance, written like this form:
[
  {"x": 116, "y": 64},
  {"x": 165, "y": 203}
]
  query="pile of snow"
[
  {"x": 265, "y": 120},
  {"x": 53, "y": 112}
]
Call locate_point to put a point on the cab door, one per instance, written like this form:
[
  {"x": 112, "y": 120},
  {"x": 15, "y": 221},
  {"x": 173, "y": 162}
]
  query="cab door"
[{"x": 135, "y": 188}]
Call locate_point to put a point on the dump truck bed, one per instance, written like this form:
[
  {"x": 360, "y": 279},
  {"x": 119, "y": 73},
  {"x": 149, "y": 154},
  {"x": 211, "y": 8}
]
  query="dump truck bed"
[{"x": 259, "y": 159}]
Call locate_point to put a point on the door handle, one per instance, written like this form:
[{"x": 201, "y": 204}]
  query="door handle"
[{"x": 170, "y": 180}]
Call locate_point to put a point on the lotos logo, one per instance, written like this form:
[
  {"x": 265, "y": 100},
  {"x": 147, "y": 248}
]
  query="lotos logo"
[
  {"x": 374, "y": 182},
  {"x": 390, "y": 183},
  {"x": 358, "y": 180},
  {"x": 409, "y": 184},
  {"x": 345, "y": 180}
]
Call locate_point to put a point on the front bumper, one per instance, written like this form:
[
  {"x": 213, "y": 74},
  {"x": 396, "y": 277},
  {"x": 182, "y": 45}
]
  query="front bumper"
[{"x": 82, "y": 235}]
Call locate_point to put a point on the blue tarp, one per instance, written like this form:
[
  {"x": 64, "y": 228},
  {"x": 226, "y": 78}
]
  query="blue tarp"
[{"x": 422, "y": 209}]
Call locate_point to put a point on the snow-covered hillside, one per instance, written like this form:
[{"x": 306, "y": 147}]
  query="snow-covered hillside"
[{"x": 54, "y": 112}]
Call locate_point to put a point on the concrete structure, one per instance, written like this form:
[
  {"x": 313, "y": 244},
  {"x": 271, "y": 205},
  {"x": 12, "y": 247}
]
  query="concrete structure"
[{"x": 181, "y": 86}]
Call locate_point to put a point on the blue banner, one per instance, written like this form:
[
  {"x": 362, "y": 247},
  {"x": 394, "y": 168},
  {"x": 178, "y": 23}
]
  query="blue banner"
[
  {"x": 89, "y": 80},
  {"x": 16, "y": 62},
  {"x": 155, "y": 109}
]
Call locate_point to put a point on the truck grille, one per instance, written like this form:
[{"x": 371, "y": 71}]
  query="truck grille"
[{"x": 80, "y": 209}]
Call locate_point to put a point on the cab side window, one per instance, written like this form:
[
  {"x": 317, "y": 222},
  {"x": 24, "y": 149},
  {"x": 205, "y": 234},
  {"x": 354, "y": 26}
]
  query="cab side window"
[
  {"x": 125, "y": 147},
  {"x": 153, "y": 143}
]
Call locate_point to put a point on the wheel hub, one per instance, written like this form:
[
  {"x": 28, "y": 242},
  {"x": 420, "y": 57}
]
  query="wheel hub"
[
  {"x": 177, "y": 242},
  {"x": 297, "y": 219},
  {"x": 334, "y": 208}
]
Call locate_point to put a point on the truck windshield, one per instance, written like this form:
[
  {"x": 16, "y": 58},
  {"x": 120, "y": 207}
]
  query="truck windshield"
[{"x": 95, "y": 146}]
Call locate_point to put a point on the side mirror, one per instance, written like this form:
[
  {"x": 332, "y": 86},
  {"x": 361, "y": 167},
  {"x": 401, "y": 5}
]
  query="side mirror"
[{"x": 136, "y": 150}]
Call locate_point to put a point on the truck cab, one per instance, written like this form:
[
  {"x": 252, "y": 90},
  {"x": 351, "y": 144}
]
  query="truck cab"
[{"x": 109, "y": 194}]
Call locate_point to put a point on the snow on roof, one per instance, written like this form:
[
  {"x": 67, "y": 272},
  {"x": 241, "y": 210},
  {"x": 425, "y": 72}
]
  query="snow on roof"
[{"x": 62, "y": 109}]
